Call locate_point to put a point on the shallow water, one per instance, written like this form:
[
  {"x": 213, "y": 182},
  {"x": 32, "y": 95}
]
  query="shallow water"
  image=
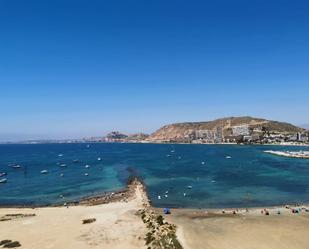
[{"x": 249, "y": 178}]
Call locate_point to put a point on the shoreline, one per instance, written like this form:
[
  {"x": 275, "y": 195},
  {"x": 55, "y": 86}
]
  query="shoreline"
[
  {"x": 126, "y": 194},
  {"x": 126, "y": 219},
  {"x": 153, "y": 142}
]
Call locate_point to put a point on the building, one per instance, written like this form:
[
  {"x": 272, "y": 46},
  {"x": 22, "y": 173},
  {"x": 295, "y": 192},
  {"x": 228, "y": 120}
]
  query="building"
[
  {"x": 241, "y": 130},
  {"x": 218, "y": 136}
]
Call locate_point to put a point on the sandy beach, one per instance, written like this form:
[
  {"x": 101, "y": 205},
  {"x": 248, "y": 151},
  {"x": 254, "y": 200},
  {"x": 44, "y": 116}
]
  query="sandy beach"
[
  {"x": 197, "y": 229},
  {"x": 116, "y": 226},
  {"x": 127, "y": 222}
]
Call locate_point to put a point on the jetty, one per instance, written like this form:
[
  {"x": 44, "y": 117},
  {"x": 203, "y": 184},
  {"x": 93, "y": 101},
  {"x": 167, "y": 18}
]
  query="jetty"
[{"x": 293, "y": 154}]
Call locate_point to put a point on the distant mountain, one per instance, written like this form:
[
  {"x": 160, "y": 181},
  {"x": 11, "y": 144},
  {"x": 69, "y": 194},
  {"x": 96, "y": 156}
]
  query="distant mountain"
[{"x": 220, "y": 130}]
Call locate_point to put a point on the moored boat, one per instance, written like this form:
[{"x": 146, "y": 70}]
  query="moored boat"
[{"x": 4, "y": 180}]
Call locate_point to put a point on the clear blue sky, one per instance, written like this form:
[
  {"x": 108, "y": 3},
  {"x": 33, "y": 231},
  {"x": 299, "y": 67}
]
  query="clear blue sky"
[{"x": 83, "y": 68}]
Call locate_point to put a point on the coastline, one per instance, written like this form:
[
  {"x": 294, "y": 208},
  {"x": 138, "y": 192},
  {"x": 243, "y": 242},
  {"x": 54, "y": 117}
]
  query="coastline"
[
  {"x": 111, "y": 225},
  {"x": 154, "y": 142},
  {"x": 198, "y": 229},
  {"x": 126, "y": 218},
  {"x": 128, "y": 192},
  {"x": 121, "y": 220}
]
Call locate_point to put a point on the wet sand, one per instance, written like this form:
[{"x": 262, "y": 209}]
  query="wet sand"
[{"x": 197, "y": 229}]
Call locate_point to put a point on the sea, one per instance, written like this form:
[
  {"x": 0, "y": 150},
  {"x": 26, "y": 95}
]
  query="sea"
[{"x": 175, "y": 175}]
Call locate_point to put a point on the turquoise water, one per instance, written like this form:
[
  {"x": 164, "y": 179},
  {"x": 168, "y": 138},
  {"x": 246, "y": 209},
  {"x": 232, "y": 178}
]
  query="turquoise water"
[{"x": 249, "y": 178}]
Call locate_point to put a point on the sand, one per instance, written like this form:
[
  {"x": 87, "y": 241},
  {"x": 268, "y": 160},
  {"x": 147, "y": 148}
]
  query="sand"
[
  {"x": 252, "y": 230},
  {"x": 116, "y": 226}
]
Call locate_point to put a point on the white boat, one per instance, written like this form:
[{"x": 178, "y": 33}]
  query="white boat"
[
  {"x": 44, "y": 171},
  {"x": 166, "y": 196},
  {"x": 87, "y": 166},
  {"x": 3, "y": 174},
  {"x": 4, "y": 180},
  {"x": 228, "y": 157},
  {"x": 86, "y": 174},
  {"x": 61, "y": 175},
  {"x": 16, "y": 166},
  {"x": 99, "y": 158},
  {"x": 88, "y": 146},
  {"x": 203, "y": 163},
  {"x": 60, "y": 155},
  {"x": 159, "y": 197},
  {"x": 63, "y": 165},
  {"x": 189, "y": 187},
  {"x": 184, "y": 194}
]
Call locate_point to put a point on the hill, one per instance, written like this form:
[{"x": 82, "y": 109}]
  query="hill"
[{"x": 231, "y": 129}]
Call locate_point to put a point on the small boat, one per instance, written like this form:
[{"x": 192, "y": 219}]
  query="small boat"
[
  {"x": 16, "y": 166},
  {"x": 99, "y": 158},
  {"x": 88, "y": 146},
  {"x": 87, "y": 166},
  {"x": 159, "y": 197},
  {"x": 168, "y": 155},
  {"x": 189, "y": 187},
  {"x": 63, "y": 165},
  {"x": 184, "y": 194},
  {"x": 179, "y": 157},
  {"x": 166, "y": 196},
  {"x": 4, "y": 180},
  {"x": 76, "y": 161},
  {"x": 172, "y": 151},
  {"x": 228, "y": 157},
  {"x": 44, "y": 171},
  {"x": 86, "y": 174},
  {"x": 61, "y": 175},
  {"x": 60, "y": 155},
  {"x": 3, "y": 174},
  {"x": 203, "y": 163}
]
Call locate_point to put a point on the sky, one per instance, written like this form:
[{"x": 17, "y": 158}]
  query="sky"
[{"x": 71, "y": 69}]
